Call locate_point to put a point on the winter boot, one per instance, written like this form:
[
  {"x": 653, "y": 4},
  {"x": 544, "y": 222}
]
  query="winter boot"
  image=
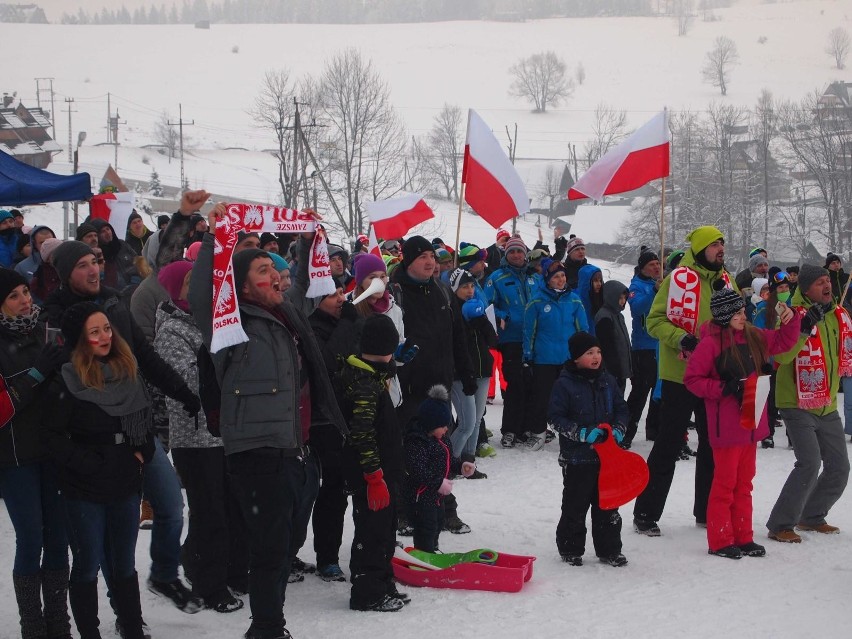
[
  {"x": 728, "y": 552},
  {"x": 54, "y": 587},
  {"x": 126, "y": 595},
  {"x": 752, "y": 549},
  {"x": 83, "y": 597},
  {"x": 28, "y": 594}
]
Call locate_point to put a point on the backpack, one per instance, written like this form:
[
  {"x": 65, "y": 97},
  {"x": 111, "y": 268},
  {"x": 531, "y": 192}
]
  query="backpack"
[{"x": 209, "y": 391}]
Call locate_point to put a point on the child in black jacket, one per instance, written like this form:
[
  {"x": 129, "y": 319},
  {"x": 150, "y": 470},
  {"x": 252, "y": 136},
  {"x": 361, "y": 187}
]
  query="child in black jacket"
[
  {"x": 585, "y": 396},
  {"x": 431, "y": 463},
  {"x": 373, "y": 458}
]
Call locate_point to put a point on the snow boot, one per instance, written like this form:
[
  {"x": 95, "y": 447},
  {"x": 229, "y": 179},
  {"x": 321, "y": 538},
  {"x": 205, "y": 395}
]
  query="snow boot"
[
  {"x": 573, "y": 560},
  {"x": 54, "y": 588},
  {"x": 129, "y": 606},
  {"x": 508, "y": 440},
  {"x": 28, "y": 594},
  {"x": 824, "y": 528},
  {"x": 785, "y": 536},
  {"x": 769, "y": 442},
  {"x": 616, "y": 560},
  {"x": 83, "y": 598},
  {"x": 728, "y": 552},
  {"x": 752, "y": 549},
  {"x": 331, "y": 572},
  {"x": 455, "y": 525},
  {"x": 385, "y": 604},
  {"x": 647, "y": 528},
  {"x": 485, "y": 450},
  {"x": 535, "y": 442}
]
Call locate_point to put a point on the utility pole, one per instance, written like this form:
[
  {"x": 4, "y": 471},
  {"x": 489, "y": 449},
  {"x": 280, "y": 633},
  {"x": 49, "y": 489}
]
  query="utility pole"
[
  {"x": 513, "y": 148},
  {"x": 49, "y": 90},
  {"x": 69, "y": 102},
  {"x": 180, "y": 124},
  {"x": 113, "y": 134}
]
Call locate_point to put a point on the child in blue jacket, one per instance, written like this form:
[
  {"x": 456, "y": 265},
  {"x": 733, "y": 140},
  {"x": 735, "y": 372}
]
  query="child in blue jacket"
[{"x": 585, "y": 396}]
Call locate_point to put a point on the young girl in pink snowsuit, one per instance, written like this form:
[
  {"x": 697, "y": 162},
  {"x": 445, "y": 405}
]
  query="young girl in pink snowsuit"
[{"x": 730, "y": 351}]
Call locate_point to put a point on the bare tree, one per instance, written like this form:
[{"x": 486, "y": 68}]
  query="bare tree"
[
  {"x": 720, "y": 60},
  {"x": 608, "y": 129},
  {"x": 838, "y": 46},
  {"x": 445, "y": 146},
  {"x": 580, "y": 73},
  {"x": 548, "y": 188},
  {"x": 274, "y": 109},
  {"x": 764, "y": 127},
  {"x": 683, "y": 15},
  {"x": 541, "y": 78},
  {"x": 368, "y": 137},
  {"x": 166, "y": 135}
]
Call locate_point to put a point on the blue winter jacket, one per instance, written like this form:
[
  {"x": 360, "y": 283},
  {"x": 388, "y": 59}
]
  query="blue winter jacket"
[
  {"x": 642, "y": 292},
  {"x": 584, "y": 286},
  {"x": 578, "y": 403},
  {"x": 510, "y": 289},
  {"x": 550, "y": 319},
  {"x": 8, "y": 249}
]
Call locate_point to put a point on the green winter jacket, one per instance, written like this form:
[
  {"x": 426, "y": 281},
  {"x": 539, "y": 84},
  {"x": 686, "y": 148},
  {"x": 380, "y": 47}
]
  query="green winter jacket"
[
  {"x": 658, "y": 325},
  {"x": 786, "y": 395}
]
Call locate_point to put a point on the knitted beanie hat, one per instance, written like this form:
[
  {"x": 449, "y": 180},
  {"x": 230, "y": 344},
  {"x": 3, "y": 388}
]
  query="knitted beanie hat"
[
  {"x": 443, "y": 256},
  {"x": 516, "y": 244},
  {"x": 724, "y": 303},
  {"x": 502, "y": 233},
  {"x": 573, "y": 244},
  {"x": 66, "y": 256},
  {"x": 831, "y": 257},
  {"x": 434, "y": 411},
  {"x": 808, "y": 274},
  {"x": 702, "y": 237},
  {"x": 469, "y": 255},
  {"x": 459, "y": 277},
  {"x": 646, "y": 256},
  {"x": 280, "y": 263},
  {"x": 755, "y": 261},
  {"x": 549, "y": 268},
  {"x": 413, "y": 247},
  {"x": 171, "y": 278},
  {"x": 367, "y": 263},
  {"x": 48, "y": 247},
  {"x": 379, "y": 335},
  {"x": 757, "y": 285},
  {"x": 580, "y": 342},
  {"x": 9, "y": 281},
  {"x": 74, "y": 319},
  {"x": 242, "y": 263},
  {"x": 756, "y": 251},
  {"x": 84, "y": 229}
]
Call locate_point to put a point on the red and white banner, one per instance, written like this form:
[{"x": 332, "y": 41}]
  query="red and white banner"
[
  {"x": 115, "y": 208},
  {"x": 373, "y": 247},
  {"x": 227, "y": 327},
  {"x": 493, "y": 188},
  {"x": 642, "y": 157},
  {"x": 392, "y": 219}
]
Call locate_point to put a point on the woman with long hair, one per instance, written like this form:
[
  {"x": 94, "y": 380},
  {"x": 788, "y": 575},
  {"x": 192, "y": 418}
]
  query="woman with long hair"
[
  {"x": 97, "y": 424},
  {"x": 27, "y": 478}
]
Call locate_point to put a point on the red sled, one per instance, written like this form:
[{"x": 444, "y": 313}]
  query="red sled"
[
  {"x": 507, "y": 574},
  {"x": 623, "y": 476}
]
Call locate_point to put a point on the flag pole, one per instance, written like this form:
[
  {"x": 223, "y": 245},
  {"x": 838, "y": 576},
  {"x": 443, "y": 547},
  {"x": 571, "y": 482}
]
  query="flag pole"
[
  {"x": 458, "y": 226},
  {"x": 663, "y": 222}
]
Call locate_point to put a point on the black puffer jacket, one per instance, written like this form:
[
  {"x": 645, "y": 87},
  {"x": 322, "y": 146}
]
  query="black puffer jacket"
[
  {"x": 429, "y": 462},
  {"x": 611, "y": 330},
  {"x": 20, "y": 441},
  {"x": 76, "y": 433},
  {"x": 479, "y": 337},
  {"x": 431, "y": 323}
]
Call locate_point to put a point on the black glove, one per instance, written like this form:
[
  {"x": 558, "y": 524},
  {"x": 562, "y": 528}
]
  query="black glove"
[
  {"x": 814, "y": 316},
  {"x": 469, "y": 386},
  {"x": 688, "y": 343},
  {"x": 528, "y": 373},
  {"x": 51, "y": 358},
  {"x": 733, "y": 387},
  {"x": 348, "y": 312},
  {"x": 561, "y": 243},
  {"x": 190, "y": 401}
]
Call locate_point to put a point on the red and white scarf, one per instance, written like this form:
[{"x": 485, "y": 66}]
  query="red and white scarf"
[
  {"x": 812, "y": 379},
  {"x": 682, "y": 307},
  {"x": 251, "y": 218}
]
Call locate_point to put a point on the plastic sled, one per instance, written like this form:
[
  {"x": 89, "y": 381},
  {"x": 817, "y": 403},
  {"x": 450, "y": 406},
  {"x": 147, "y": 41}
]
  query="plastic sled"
[
  {"x": 507, "y": 573},
  {"x": 623, "y": 476}
]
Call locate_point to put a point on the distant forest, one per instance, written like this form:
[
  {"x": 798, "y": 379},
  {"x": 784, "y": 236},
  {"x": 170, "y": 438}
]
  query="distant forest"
[{"x": 373, "y": 11}]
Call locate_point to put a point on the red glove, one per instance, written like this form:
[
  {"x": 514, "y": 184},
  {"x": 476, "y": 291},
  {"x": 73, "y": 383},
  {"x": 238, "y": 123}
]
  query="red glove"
[{"x": 378, "y": 496}]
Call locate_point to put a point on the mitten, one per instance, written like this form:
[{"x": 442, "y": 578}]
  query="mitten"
[
  {"x": 472, "y": 309},
  {"x": 406, "y": 351},
  {"x": 189, "y": 400},
  {"x": 446, "y": 487},
  {"x": 595, "y": 435},
  {"x": 733, "y": 387},
  {"x": 618, "y": 435},
  {"x": 468, "y": 468},
  {"x": 348, "y": 312},
  {"x": 469, "y": 386},
  {"x": 378, "y": 496},
  {"x": 688, "y": 343}
]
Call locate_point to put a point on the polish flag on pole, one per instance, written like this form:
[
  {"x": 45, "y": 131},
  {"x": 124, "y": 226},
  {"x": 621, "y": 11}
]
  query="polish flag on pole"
[
  {"x": 492, "y": 186},
  {"x": 394, "y": 218},
  {"x": 642, "y": 157},
  {"x": 374, "y": 243}
]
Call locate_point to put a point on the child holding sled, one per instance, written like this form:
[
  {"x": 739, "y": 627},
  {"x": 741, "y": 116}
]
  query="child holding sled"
[
  {"x": 431, "y": 463},
  {"x": 583, "y": 397},
  {"x": 730, "y": 352}
]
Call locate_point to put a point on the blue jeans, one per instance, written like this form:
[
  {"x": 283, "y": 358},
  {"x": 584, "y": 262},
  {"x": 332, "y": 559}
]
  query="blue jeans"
[
  {"x": 162, "y": 488},
  {"x": 91, "y": 524},
  {"x": 469, "y": 411},
  {"x": 37, "y": 510},
  {"x": 847, "y": 404}
]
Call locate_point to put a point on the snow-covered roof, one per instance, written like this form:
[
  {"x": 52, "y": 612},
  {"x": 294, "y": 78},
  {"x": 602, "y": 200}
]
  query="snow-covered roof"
[
  {"x": 600, "y": 224},
  {"x": 50, "y": 145},
  {"x": 12, "y": 121}
]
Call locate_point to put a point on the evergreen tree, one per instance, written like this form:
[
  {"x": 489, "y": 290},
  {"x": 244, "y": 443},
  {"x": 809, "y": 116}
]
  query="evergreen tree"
[{"x": 155, "y": 188}]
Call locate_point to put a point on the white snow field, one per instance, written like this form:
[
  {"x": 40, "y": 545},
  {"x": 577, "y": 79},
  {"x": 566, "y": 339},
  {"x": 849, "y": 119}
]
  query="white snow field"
[{"x": 671, "y": 588}]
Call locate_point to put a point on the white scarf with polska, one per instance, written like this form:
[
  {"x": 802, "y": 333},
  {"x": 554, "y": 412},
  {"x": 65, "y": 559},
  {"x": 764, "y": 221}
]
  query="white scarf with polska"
[
  {"x": 684, "y": 301},
  {"x": 252, "y": 218}
]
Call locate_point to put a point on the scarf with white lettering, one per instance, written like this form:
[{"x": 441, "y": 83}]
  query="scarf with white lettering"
[
  {"x": 254, "y": 218},
  {"x": 684, "y": 299},
  {"x": 812, "y": 379}
]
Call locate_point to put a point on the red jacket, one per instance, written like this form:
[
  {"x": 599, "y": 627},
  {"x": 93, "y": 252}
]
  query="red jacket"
[{"x": 702, "y": 378}]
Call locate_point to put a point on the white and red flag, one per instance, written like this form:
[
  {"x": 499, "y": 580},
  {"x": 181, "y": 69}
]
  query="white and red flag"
[
  {"x": 493, "y": 188},
  {"x": 115, "y": 208},
  {"x": 373, "y": 245},
  {"x": 642, "y": 157},
  {"x": 392, "y": 219}
]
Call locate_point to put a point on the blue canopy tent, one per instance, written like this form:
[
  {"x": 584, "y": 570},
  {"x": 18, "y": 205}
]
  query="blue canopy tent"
[{"x": 22, "y": 184}]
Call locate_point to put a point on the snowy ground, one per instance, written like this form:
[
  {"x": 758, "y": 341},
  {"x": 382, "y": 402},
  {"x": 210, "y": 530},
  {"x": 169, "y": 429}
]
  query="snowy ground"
[{"x": 671, "y": 588}]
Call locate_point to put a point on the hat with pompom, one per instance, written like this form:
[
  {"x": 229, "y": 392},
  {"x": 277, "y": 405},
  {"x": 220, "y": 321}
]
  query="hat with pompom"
[
  {"x": 434, "y": 411},
  {"x": 725, "y": 303}
]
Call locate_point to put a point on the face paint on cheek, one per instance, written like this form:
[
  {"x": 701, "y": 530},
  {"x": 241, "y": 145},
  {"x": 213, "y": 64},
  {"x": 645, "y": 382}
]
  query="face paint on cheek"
[
  {"x": 94, "y": 342},
  {"x": 262, "y": 285}
]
